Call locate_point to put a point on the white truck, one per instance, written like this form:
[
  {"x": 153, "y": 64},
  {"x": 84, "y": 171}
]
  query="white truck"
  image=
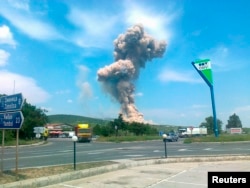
[{"x": 192, "y": 131}]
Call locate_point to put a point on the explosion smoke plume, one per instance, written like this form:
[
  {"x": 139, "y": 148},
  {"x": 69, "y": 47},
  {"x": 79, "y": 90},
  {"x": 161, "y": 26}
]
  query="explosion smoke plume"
[{"x": 132, "y": 50}]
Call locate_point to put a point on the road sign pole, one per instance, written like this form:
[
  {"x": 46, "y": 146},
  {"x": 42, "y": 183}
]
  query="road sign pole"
[
  {"x": 17, "y": 139},
  {"x": 203, "y": 67},
  {"x": 216, "y": 133},
  {"x": 3, "y": 135}
]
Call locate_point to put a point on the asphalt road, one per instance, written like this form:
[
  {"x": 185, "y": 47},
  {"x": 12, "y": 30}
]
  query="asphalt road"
[{"x": 60, "y": 151}]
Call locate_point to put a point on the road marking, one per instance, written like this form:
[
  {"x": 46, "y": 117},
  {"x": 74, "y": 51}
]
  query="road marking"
[
  {"x": 134, "y": 155},
  {"x": 207, "y": 149},
  {"x": 183, "y": 150},
  {"x": 166, "y": 179},
  {"x": 95, "y": 153},
  {"x": 65, "y": 185},
  {"x": 156, "y": 151}
]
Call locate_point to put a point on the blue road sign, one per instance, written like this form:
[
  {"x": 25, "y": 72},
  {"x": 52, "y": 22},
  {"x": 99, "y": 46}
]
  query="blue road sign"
[
  {"x": 11, "y": 120},
  {"x": 11, "y": 102}
]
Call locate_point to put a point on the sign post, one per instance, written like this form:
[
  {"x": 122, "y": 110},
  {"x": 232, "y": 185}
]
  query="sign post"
[
  {"x": 11, "y": 117},
  {"x": 191, "y": 129},
  {"x": 203, "y": 67}
]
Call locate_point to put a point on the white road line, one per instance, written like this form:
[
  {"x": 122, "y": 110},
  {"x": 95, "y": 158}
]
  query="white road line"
[
  {"x": 183, "y": 150},
  {"x": 156, "y": 151},
  {"x": 65, "y": 185},
  {"x": 134, "y": 155},
  {"x": 166, "y": 179},
  {"x": 207, "y": 149},
  {"x": 95, "y": 153}
]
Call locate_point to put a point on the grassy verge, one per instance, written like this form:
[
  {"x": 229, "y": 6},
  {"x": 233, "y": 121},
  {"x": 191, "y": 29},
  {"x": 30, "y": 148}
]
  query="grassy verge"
[
  {"x": 128, "y": 138},
  {"x": 22, "y": 142},
  {"x": 37, "y": 172},
  {"x": 220, "y": 138}
]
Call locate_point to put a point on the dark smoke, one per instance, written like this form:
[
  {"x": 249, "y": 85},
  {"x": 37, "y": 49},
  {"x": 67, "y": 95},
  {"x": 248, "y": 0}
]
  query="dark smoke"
[{"x": 132, "y": 50}]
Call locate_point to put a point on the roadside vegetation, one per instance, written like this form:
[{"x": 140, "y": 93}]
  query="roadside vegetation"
[
  {"x": 128, "y": 138},
  {"x": 221, "y": 138}
]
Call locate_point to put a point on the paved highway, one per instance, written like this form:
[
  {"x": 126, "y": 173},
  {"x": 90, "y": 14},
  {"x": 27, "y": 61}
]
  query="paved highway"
[{"x": 60, "y": 151}]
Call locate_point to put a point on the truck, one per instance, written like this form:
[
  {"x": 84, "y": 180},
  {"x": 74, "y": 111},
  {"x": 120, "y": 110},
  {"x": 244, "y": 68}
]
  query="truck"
[
  {"x": 192, "y": 131},
  {"x": 83, "y": 133}
]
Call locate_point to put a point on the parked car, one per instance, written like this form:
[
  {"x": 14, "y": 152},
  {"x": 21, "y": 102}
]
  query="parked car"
[{"x": 172, "y": 137}]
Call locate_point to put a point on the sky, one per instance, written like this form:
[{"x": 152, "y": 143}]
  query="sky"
[{"x": 51, "y": 52}]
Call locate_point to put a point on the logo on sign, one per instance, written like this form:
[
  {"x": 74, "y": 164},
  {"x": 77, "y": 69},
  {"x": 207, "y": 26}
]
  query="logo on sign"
[{"x": 204, "y": 66}]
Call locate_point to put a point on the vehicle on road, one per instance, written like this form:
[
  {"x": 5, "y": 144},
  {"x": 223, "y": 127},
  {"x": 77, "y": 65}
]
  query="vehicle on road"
[
  {"x": 83, "y": 133},
  {"x": 172, "y": 137},
  {"x": 192, "y": 131}
]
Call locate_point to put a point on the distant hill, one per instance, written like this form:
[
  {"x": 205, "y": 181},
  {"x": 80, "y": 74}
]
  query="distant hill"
[{"x": 75, "y": 119}]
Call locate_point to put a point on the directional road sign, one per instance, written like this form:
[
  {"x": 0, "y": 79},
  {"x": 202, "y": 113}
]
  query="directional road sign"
[
  {"x": 11, "y": 120},
  {"x": 11, "y": 102}
]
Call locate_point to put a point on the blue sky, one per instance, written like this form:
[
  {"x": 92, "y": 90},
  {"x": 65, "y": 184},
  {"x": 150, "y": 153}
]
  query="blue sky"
[{"x": 50, "y": 51}]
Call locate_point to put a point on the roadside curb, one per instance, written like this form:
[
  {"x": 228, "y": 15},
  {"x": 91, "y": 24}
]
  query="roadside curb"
[{"x": 122, "y": 164}]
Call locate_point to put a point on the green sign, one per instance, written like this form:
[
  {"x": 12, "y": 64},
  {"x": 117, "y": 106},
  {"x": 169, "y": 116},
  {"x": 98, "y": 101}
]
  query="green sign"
[{"x": 204, "y": 69}]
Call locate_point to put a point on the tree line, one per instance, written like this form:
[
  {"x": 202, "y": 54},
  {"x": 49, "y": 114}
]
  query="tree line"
[
  {"x": 233, "y": 122},
  {"x": 119, "y": 127}
]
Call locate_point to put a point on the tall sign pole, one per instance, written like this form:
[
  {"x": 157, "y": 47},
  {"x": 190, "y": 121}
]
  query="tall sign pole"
[{"x": 203, "y": 67}]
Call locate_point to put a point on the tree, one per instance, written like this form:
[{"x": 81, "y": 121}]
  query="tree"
[
  {"x": 234, "y": 122},
  {"x": 120, "y": 123},
  {"x": 97, "y": 129},
  {"x": 33, "y": 117},
  {"x": 209, "y": 124}
]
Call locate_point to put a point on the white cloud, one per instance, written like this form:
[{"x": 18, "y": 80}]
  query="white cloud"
[
  {"x": 4, "y": 56},
  {"x": 243, "y": 109},
  {"x": 155, "y": 23},
  {"x": 69, "y": 101},
  {"x": 86, "y": 90},
  {"x": 223, "y": 58},
  {"x": 218, "y": 56},
  {"x": 82, "y": 83},
  {"x": 199, "y": 106},
  {"x": 23, "y": 4},
  {"x": 27, "y": 22},
  {"x": 15, "y": 83},
  {"x": 139, "y": 94},
  {"x": 6, "y": 36},
  {"x": 94, "y": 27},
  {"x": 62, "y": 92},
  {"x": 174, "y": 76}
]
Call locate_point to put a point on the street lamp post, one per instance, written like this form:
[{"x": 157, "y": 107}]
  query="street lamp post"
[
  {"x": 116, "y": 130},
  {"x": 74, "y": 139},
  {"x": 164, "y": 136}
]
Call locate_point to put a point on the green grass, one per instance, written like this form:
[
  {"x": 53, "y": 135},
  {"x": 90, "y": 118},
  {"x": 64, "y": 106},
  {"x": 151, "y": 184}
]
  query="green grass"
[
  {"x": 22, "y": 142},
  {"x": 220, "y": 138},
  {"x": 127, "y": 138}
]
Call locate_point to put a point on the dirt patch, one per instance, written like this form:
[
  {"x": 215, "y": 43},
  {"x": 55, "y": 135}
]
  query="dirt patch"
[{"x": 30, "y": 173}]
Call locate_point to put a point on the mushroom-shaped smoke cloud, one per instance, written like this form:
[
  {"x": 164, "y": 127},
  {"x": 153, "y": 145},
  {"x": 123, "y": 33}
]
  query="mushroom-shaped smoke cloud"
[{"x": 132, "y": 50}]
